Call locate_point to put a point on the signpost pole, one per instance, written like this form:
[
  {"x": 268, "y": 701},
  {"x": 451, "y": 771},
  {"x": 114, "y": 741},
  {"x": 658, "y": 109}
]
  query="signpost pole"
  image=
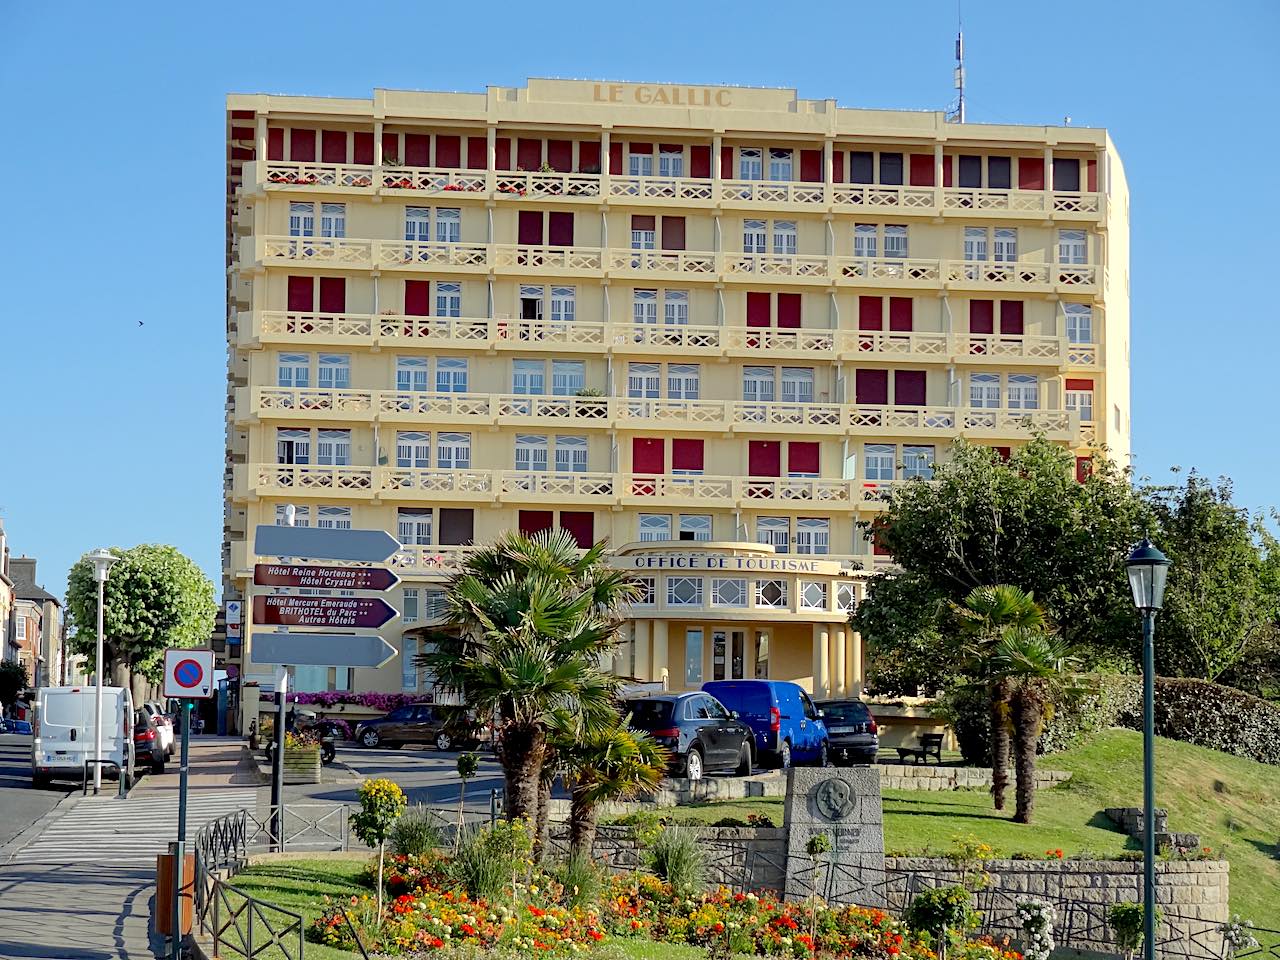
[
  {"x": 277, "y": 768},
  {"x": 180, "y": 848}
]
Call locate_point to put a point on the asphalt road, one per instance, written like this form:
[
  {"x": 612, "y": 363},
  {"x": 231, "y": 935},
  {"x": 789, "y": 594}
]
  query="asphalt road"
[
  {"x": 425, "y": 775},
  {"x": 21, "y": 804}
]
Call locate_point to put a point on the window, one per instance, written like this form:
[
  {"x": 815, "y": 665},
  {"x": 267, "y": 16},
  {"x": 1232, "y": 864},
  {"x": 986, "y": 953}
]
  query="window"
[
  {"x": 1073, "y": 246},
  {"x": 411, "y": 373},
  {"x": 335, "y": 371},
  {"x": 640, "y": 164},
  {"x": 448, "y": 299},
  {"x": 413, "y": 526},
  {"x": 409, "y": 606},
  {"x": 409, "y": 663},
  {"x": 784, "y": 237},
  {"x": 797, "y": 385},
  {"x": 975, "y": 243},
  {"x": 728, "y": 592},
  {"x": 571, "y": 454},
  {"x": 417, "y": 223},
  {"x": 775, "y": 531},
  {"x": 451, "y": 375},
  {"x": 644, "y": 233},
  {"x": 762, "y": 655},
  {"x": 528, "y": 377},
  {"x": 771, "y": 593},
  {"x": 644, "y": 306},
  {"x": 448, "y": 225},
  {"x": 684, "y": 591},
  {"x": 755, "y": 236},
  {"x": 333, "y": 448},
  {"x": 302, "y": 219},
  {"x": 655, "y": 527},
  {"x": 333, "y": 219},
  {"x": 813, "y": 535},
  {"x": 531, "y": 451},
  {"x": 676, "y": 306},
  {"x": 846, "y": 598},
  {"x": 293, "y": 370},
  {"x": 1024, "y": 392},
  {"x": 693, "y": 657},
  {"x": 757, "y": 384},
  {"x": 293, "y": 446},
  {"x": 695, "y": 526},
  {"x": 1006, "y": 245},
  {"x": 646, "y": 590},
  {"x": 917, "y": 461},
  {"x": 878, "y": 461},
  {"x": 779, "y": 164},
  {"x": 670, "y": 163},
  {"x": 568, "y": 377},
  {"x": 413, "y": 449},
  {"x": 864, "y": 240},
  {"x": 1080, "y": 400},
  {"x": 531, "y": 302},
  {"x": 984, "y": 390},
  {"x": 1079, "y": 322},
  {"x": 683, "y": 381},
  {"x": 643, "y": 381},
  {"x": 813, "y": 595},
  {"x": 562, "y": 304},
  {"x": 301, "y": 516},
  {"x": 453, "y": 451},
  {"x": 895, "y": 241},
  {"x": 334, "y": 518},
  {"x": 750, "y": 164}
]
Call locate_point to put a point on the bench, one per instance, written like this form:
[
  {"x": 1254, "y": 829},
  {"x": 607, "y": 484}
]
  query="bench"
[{"x": 930, "y": 746}]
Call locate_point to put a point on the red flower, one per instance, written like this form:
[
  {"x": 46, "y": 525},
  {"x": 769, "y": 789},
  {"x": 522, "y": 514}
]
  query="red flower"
[
  {"x": 718, "y": 927},
  {"x": 536, "y": 911},
  {"x": 468, "y": 929},
  {"x": 595, "y": 935},
  {"x": 435, "y": 942}
]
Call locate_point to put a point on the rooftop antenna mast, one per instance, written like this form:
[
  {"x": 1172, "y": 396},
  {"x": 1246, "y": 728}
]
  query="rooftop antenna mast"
[{"x": 957, "y": 115}]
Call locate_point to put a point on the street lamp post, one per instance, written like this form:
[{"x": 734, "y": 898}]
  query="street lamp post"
[
  {"x": 1148, "y": 569},
  {"x": 102, "y": 560}
]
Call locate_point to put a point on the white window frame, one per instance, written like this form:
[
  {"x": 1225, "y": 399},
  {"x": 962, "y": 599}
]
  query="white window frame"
[
  {"x": 644, "y": 380},
  {"x": 785, "y": 238},
  {"x": 1005, "y": 245},
  {"x": 1024, "y": 391},
  {"x": 334, "y": 518},
  {"x": 1079, "y": 322},
  {"x": 879, "y": 462},
  {"x": 536, "y": 294},
  {"x": 918, "y": 460},
  {"x": 671, "y": 163},
  {"x": 417, "y": 224},
  {"x": 654, "y": 527},
  {"x": 684, "y": 381},
  {"x": 333, "y": 447},
  {"x": 293, "y": 370},
  {"x": 1081, "y": 403},
  {"x": 984, "y": 391},
  {"x": 639, "y": 164},
  {"x": 750, "y": 163},
  {"x": 797, "y": 384},
  {"x": 728, "y": 592},
  {"x": 775, "y": 531},
  {"x": 1073, "y": 246},
  {"x": 413, "y": 374},
  {"x": 333, "y": 220},
  {"x": 413, "y": 449},
  {"x": 302, "y": 219},
  {"x": 414, "y": 528},
  {"x": 448, "y": 299},
  {"x": 448, "y": 224},
  {"x": 813, "y": 536},
  {"x": 975, "y": 244},
  {"x": 568, "y": 377},
  {"x": 865, "y": 240},
  {"x": 293, "y": 446},
  {"x": 846, "y": 596},
  {"x": 781, "y": 164},
  {"x": 409, "y": 606},
  {"x": 755, "y": 236},
  {"x": 675, "y": 307},
  {"x": 759, "y": 384},
  {"x": 531, "y": 452},
  {"x": 644, "y": 306},
  {"x": 812, "y": 594},
  {"x": 675, "y": 584},
  {"x": 645, "y": 239},
  {"x": 529, "y": 377},
  {"x": 571, "y": 454},
  {"x": 563, "y": 304},
  {"x": 334, "y": 371},
  {"x": 451, "y": 374},
  {"x": 779, "y": 602},
  {"x": 699, "y": 524},
  {"x": 301, "y": 515},
  {"x": 896, "y": 241},
  {"x": 453, "y": 451}
]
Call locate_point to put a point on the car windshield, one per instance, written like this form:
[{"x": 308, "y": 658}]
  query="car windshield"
[
  {"x": 649, "y": 714},
  {"x": 848, "y": 711}
]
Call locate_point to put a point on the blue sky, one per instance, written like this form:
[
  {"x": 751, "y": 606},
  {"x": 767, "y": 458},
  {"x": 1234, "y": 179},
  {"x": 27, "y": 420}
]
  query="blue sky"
[{"x": 114, "y": 137}]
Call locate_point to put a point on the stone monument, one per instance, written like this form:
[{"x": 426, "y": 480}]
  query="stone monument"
[{"x": 844, "y": 804}]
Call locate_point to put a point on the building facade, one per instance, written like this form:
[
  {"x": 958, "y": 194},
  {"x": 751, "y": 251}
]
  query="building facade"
[
  {"x": 45, "y": 628},
  {"x": 712, "y": 324}
]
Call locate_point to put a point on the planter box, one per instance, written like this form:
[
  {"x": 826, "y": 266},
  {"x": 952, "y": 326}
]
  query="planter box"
[{"x": 302, "y": 766}]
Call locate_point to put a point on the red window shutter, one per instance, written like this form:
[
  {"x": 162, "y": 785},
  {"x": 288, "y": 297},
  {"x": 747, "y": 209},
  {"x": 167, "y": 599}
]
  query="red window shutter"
[
  {"x": 391, "y": 154},
  {"x": 764, "y": 458},
  {"x": 302, "y": 145},
  {"x": 1091, "y": 176},
  {"x": 535, "y": 521},
  {"x": 640, "y": 148},
  {"x": 837, "y": 166},
  {"x": 700, "y": 161},
  {"x": 615, "y": 158},
  {"x": 449, "y": 152},
  {"x": 333, "y": 295},
  {"x": 529, "y": 227},
  {"x": 1004, "y": 453},
  {"x": 528, "y": 153},
  {"x": 560, "y": 157},
  {"x": 877, "y": 538},
  {"x": 417, "y": 150},
  {"x": 333, "y": 146},
  {"x": 580, "y": 525},
  {"x": 982, "y": 316},
  {"x": 477, "y": 153},
  {"x": 947, "y": 170},
  {"x": 647, "y": 455},
  {"x": 921, "y": 173},
  {"x": 811, "y": 166},
  {"x": 1030, "y": 173},
  {"x": 302, "y": 297},
  {"x": 1079, "y": 384},
  {"x": 908, "y": 388},
  {"x": 788, "y": 310},
  {"x": 870, "y": 313},
  {"x": 900, "y": 318},
  {"x": 242, "y": 153},
  {"x": 1084, "y": 468},
  {"x": 726, "y": 163},
  {"x": 417, "y": 298},
  {"x": 686, "y": 454},
  {"x": 802, "y": 457},
  {"x": 363, "y": 152},
  {"x": 759, "y": 309},
  {"x": 588, "y": 156},
  {"x": 502, "y": 153},
  {"x": 1011, "y": 318},
  {"x": 643, "y": 222},
  {"x": 275, "y": 143},
  {"x": 560, "y": 228},
  {"x": 673, "y": 233},
  {"x": 871, "y": 386}
]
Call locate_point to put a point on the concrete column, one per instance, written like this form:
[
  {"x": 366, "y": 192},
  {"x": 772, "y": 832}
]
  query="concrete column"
[
  {"x": 605, "y": 174},
  {"x": 938, "y": 161},
  {"x": 853, "y": 678},
  {"x": 1048, "y": 176},
  {"x": 748, "y": 654},
  {"x": 641, "y": 641},
  {"x": 260, "y": 146},
  {"x": 660, "y": 671},
  {"x": 821, "y": 661},
  {"x": 491, "y": 163},
  {"x": 838, "y": 673},
  {"x": 828, "y": 169},
  {"x": 377, "y": 145}
]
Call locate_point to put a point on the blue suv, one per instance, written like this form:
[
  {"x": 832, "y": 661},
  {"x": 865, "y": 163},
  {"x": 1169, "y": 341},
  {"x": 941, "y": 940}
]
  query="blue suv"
[{"x": 788, "y": 728}]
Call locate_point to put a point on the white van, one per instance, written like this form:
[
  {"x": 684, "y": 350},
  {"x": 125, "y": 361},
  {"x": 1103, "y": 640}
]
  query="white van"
[{"x": 62, "y": 733}]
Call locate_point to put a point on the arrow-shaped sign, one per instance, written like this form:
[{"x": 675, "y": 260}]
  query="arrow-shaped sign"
[
  {"x": 321, "y": 649},
  {"x": 322, "y": 611},
  {"x": 324, "y": 543},
  {"x": 323, "y": 578}
]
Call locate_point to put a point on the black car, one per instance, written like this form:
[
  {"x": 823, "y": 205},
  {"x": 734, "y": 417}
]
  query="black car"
[
  {"x": 852, "y": 731},
  {"x": 148, "y": 749},
  {"x": 700, "y": 734},
  {"x": 448, "y": 728}
]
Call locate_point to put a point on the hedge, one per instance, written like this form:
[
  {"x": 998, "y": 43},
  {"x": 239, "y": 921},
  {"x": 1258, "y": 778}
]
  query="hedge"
[{"x": 1193, "y": 711}]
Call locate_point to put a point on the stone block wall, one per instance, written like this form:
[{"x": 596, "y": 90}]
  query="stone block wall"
[{"x": 936, "y": 777}]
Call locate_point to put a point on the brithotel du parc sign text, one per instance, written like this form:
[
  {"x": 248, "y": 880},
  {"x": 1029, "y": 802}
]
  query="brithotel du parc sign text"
[{"x": 662, "y": 94}]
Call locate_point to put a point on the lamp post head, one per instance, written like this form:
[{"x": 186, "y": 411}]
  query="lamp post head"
[
  {"x": 102, "y": 559},
  {"x": 1148, "y": 569}
]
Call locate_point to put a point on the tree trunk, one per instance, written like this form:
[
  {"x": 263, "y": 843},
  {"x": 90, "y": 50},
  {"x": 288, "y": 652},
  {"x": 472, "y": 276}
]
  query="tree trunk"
[
  {"x": 999, "y": 742},
  {"x": 522, "y": 752},
  {"x": 542, "y": 827},
  {"x": 1028, "y": 714},
  {"x": 582, "y": 822},
  {"x": 139, "y": 687}
]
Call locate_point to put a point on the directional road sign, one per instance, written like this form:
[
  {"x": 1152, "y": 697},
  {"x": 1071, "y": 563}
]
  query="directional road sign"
[
  {"x": 324, "y": 543},
  {"x": 322, "y": 649},
  {"x": 323, "y": 578},
  {"x": 322, "y": 611},
  {"x": 188, "y": 673}
]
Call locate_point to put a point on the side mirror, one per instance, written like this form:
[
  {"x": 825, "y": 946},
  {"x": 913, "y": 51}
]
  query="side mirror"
[{"x": 734, "y": 714}]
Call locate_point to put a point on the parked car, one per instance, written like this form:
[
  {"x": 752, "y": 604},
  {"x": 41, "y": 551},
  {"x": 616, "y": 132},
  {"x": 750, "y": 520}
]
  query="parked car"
[
  {"x": 148, "y": 747},
  {"x": 164, "y": 724},
  {"x": 697, "y": 730},
  {"x": 419, "y": 723},
  {"x": 63, "y": 732},
  {"x": 788, "y": 727},
  {"x": 853, "y": 732}
]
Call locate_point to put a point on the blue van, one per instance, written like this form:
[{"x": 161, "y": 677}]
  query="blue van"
[{"x": 788, "y": 727}]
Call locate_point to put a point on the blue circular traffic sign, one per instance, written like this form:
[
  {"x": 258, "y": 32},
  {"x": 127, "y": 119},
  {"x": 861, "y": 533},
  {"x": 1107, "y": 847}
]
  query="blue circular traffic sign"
[{"x": 188, "y": 673}]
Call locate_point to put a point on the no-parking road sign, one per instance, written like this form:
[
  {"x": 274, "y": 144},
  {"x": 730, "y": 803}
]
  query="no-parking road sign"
[{"x": 188, "y": 673}]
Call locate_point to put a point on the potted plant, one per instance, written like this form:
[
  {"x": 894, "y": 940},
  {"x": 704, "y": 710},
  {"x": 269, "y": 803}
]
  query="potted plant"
[{"x": 301, "y": 758}]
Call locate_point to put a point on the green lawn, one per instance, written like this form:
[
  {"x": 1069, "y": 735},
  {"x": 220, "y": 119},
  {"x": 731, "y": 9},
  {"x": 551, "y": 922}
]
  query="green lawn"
[{"x": 301, "y": 886}]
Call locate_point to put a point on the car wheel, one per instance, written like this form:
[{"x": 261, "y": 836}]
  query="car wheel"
[
  {"x": 744, "y": 762},
  {"x": 693, "y": 764},
  {"x": 784, "y": 755},
  {"x": 824, "y": 755},
  {"x": 370, "y": 739},
  {"x": 444, "y": 741}
]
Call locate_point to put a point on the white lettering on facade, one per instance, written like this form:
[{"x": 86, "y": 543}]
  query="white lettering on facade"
[{"x": 763, "y": 564}]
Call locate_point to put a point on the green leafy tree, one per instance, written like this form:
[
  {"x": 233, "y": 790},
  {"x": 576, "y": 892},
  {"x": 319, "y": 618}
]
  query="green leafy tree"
[
  {"x": 155, "y": 598},
  {"x": 1222, "y": 604},
  {"x": 902, "y": 622},
  {"x": 13, "y": 680},
  {"x": 381, "y": 803}
]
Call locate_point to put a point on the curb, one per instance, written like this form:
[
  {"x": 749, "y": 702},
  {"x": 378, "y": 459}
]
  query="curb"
[
  {"x": 264, "y": 769},
  {"x": 10, "y": 851}
]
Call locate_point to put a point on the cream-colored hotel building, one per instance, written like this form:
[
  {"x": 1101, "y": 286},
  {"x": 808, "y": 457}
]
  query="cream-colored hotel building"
[{"x": 711, "y": 324}]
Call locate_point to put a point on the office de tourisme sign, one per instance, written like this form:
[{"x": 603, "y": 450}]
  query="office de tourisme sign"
[{"x": 729, "y": 563}]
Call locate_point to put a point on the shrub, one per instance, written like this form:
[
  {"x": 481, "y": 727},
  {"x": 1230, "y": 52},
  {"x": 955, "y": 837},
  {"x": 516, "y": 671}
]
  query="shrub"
[
  {"x": 942, "y": 907},
  {"x": 415, "y": 834},
  {"x": 381, "y": 803},
  {"x": 676, "y": 857},
  {"x": 581, "y": 879},
  {"x": 489, "y": 858},
  {"x": 646, "y": 826},
  {"x": 1125, "y": 920}
]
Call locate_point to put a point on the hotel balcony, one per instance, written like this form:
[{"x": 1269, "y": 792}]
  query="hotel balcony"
[
  {"x": 710, "y": 266},
  {"x": 688, "y": 192}
]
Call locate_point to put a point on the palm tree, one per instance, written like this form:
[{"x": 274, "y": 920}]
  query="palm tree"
[
  {"x": 1031, "y": 662},
  {"x": 613, "y": 763},
  {"x": 528, "y": 622},
  {"x": 985, "y": 614}
]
